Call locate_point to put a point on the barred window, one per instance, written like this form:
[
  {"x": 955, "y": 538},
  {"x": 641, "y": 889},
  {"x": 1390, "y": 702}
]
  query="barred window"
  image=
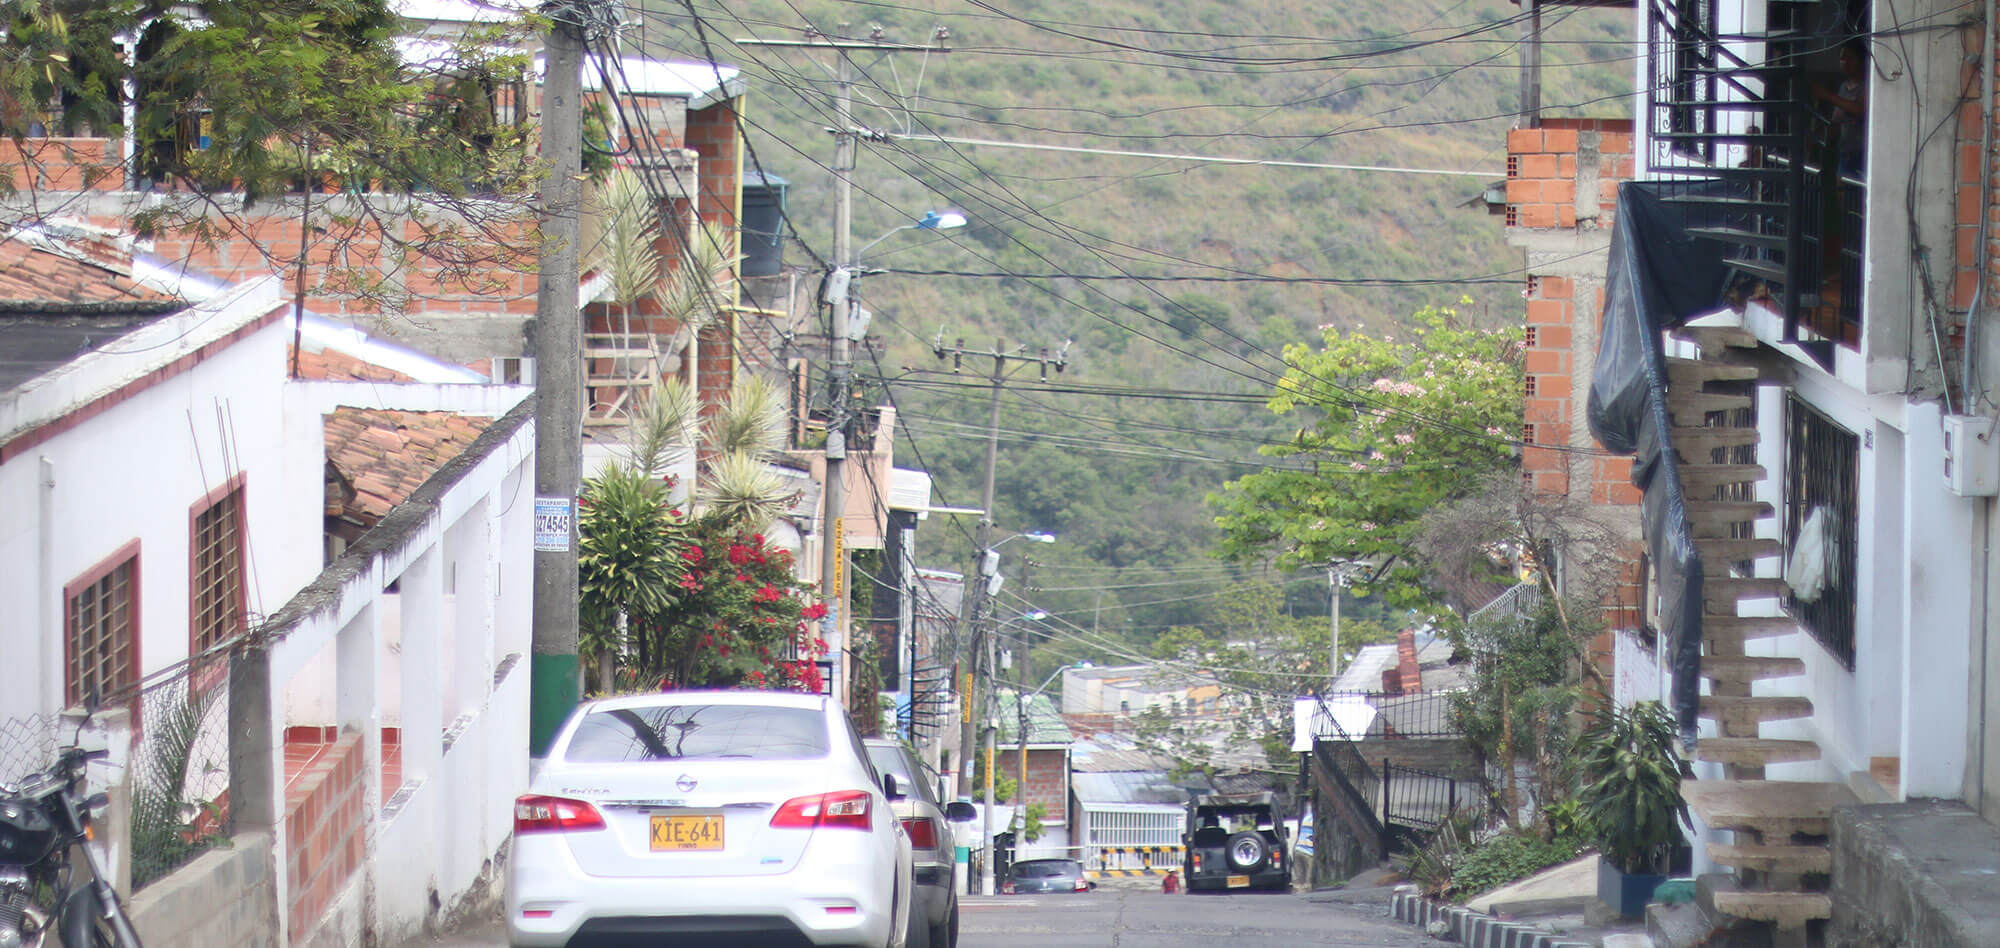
[
  {"x": 102, "y": 652},
  {"x": 1822, "y": 507},
  {"x": 216, "y": 593}
]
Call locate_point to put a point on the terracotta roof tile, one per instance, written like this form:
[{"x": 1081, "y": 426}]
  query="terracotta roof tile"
[
  {"x": 386, "y": 455},
  {"x": 336, "y": 366},
  {"x": 37, "y": 280}
]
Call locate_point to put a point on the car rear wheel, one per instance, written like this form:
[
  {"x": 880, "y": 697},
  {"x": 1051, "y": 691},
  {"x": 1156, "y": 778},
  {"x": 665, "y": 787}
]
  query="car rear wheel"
[
  {"x": 917, "y": 932},
  {"x": 1247, "y": 851},
  {"x": 945, "y": 933}
]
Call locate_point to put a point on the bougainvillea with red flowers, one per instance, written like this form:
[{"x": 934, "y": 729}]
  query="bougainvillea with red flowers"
[{"x": 737, "y": 619}]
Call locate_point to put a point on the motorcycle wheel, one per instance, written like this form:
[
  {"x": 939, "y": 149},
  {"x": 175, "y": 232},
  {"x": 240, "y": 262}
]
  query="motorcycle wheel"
[{"x": 82, "y": 925}]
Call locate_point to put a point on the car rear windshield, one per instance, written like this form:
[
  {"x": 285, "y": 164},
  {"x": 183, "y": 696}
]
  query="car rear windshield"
[
  {"x": 1046, "y": 870},
  {"x": 694, "y": 731}
]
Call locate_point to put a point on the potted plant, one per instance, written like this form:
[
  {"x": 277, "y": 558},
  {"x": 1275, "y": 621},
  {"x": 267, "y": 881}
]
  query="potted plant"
[{"x": 1630, "y": 787}]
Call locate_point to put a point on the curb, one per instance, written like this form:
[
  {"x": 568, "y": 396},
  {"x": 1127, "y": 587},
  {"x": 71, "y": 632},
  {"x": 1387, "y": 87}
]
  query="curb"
[{"x": 1471, "y": 928}]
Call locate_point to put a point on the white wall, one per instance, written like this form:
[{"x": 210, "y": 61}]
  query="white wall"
[
  {"x": 135, "y": 472},
  {"x": 462, "y": 616}
]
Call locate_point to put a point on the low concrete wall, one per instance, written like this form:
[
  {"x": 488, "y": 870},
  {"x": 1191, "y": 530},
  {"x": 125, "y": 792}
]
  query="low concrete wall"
[
  {"x": 1447, "y": 756},
  {"x": 1918, "y": 873},
  {"x": 223, "y": 897}
]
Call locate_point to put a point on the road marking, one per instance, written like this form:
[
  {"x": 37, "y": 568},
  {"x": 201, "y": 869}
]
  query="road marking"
[{"x": 995, "y": 902}]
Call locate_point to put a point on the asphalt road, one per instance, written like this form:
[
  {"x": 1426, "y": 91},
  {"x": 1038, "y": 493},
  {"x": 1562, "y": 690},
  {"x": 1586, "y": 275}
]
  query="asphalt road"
[
  {"x": 1143, "y": 918},
  {"x": 1129, "y": 918}
]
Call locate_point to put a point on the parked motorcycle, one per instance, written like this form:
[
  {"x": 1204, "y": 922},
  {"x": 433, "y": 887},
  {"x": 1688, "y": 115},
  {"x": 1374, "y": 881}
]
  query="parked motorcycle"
[{"x": 44, "y": 822}]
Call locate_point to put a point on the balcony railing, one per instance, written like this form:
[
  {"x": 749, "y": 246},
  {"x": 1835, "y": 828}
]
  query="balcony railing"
[{"x": 1735, "y": 110}]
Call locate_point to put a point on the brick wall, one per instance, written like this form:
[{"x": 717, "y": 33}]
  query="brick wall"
[
  {"x": 324, "y": 833},
  {"x": 63, "y": 164},
  {"x": 714, "y": 135},
  {"x": 1971, "y": 170},
  {"x": 1562, "y": 190},
  {"x": 1048, "y": 779},
  {"x": 1564, "y": 176},
  {"x": 1558, "y": 171}
]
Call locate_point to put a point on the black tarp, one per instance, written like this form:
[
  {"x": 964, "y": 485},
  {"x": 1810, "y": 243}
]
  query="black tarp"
[{"x": 1659, "y": 276}]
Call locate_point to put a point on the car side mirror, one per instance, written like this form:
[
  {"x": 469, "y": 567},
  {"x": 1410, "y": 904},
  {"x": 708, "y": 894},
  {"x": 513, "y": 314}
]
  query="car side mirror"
[
  {"x": 889, "y": 787},
  {"x": 959, "y": 811}
]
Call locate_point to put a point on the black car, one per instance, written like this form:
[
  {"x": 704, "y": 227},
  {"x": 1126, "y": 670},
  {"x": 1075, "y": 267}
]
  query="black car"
[
  {"x": 1235, "y": 841},
  {"x": 1046, "y": 875},
  {"x": 934, "y": 913}
]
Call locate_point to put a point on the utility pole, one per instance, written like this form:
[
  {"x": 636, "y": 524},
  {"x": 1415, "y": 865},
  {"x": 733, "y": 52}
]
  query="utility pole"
[
  {"x": 840, "y": 368},
  {"x": 985, "y": 572},
  {"x": 986, "y": 886},
  {"x": 1333, "y": 613},
  {"x": 554, "y": 682},
  {"x": 835, "y": 493}
]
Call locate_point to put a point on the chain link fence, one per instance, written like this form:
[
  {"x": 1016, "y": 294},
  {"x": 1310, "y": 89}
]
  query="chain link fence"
[
  {"x": 27, "y": 746},
  {"x": 180, "y": 768}
]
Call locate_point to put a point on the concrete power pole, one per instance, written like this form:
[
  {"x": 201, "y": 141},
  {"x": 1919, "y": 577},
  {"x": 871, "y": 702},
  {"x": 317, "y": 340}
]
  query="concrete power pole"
[
  {"x": 981, "y": 579},
  {"x": 840, "y": 367},
  {"x": 838, "y": 371},
  {"x": 554, "y": 683},
  {"x": 974, "y": 610}
]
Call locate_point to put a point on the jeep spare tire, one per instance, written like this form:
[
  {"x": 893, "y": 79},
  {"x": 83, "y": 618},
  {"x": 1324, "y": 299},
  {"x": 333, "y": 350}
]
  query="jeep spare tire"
[{"x": 1247, "y": 851}]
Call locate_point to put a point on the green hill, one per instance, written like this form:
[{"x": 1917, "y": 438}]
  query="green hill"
[{"x": 1085, "y": 248}]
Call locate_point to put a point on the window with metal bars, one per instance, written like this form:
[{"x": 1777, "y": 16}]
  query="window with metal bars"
[
  {"x": 215, "y": 578},
  {"x": 1822, "y": 509},
  {"x": 102, "y": 654}
]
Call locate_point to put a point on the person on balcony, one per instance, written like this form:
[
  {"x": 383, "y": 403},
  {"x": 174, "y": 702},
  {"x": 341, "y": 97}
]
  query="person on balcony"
[{"x": 1849, "y": 101}]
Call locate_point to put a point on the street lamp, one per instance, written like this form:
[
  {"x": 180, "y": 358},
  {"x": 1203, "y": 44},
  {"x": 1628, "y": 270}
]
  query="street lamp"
[
  {"x": 947, "y": 219},
  {"x": 834, "y": 293}
]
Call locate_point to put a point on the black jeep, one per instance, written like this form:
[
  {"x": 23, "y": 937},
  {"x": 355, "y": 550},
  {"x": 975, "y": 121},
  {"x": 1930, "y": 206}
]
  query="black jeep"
[{"x": 1235, "y": 841}]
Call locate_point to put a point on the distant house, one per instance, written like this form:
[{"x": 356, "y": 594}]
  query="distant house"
[
  {"x": 1047, "y": 777},
  {"x": 1099, "y": 697},
  {"x": 1128, "y": 820}
]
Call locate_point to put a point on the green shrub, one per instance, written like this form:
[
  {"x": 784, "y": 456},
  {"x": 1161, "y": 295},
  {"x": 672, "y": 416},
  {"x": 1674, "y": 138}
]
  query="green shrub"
[{"x": 1503, "y": 859}]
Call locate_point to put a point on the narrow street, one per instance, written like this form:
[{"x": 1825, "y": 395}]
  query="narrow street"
[
  {"x": 1127, "y": 917},
  {"x": 1143, "y": 917}
]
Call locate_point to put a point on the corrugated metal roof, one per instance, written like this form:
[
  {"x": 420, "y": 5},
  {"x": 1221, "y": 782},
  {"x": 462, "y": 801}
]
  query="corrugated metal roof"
[
  {"x": 1127, "y": 787},
  {"x": 1045, "y": 724},
  {"x": 1111, "y": 752}
]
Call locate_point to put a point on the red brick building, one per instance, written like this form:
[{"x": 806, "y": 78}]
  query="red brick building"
[
  {"x": 1048, "y": 764},
  {"x": 1562, "y": 190}
]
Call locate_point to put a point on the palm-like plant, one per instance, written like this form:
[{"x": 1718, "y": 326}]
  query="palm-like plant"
[
  {"x": 627, "y": 560},
  {"x": 738, "y": 484},
  {"x": 1630, "y": 768}
]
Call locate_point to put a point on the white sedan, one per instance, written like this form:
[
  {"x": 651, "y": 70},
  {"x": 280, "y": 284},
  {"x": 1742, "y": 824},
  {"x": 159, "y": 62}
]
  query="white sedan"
[{"x": 733, "y": 817}]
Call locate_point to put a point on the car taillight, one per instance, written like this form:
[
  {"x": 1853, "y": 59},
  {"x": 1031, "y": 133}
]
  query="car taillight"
[
  {"x": 841, "y": 808},
  {"x": 539, "y": 814},
  {"x": 1277, "y": 859},
  {"x": 1082, "y": 884},
  {"x": 923, "y": 832},
  {"x": 1006, "y": 888},
  {"x": 1197, "y": 862}
]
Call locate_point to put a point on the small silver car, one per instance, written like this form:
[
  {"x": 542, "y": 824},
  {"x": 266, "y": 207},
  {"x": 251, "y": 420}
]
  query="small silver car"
[
  {"x": 934, "y": 922},
  {"x": 725, "y": 817}
]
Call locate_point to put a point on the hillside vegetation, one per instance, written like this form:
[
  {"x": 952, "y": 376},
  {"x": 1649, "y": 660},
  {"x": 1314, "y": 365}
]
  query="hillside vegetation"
[{"x": 1416, "y": 84}]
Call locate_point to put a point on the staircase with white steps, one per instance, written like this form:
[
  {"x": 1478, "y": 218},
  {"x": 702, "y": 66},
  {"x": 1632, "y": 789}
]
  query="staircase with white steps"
[{"x": 1779, "y": 851}]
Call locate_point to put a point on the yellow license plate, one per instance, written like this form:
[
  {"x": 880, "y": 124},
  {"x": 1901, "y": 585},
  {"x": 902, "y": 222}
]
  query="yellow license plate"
[
  {"x": 687, "y": 833},
  {"x": 1239, "y": 882}
]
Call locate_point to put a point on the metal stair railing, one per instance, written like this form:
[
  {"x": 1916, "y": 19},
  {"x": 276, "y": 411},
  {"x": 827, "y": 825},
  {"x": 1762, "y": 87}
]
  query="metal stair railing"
[
  {"x": 1718, "y": 111},
  {"x": 1340, "y": 758}
]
